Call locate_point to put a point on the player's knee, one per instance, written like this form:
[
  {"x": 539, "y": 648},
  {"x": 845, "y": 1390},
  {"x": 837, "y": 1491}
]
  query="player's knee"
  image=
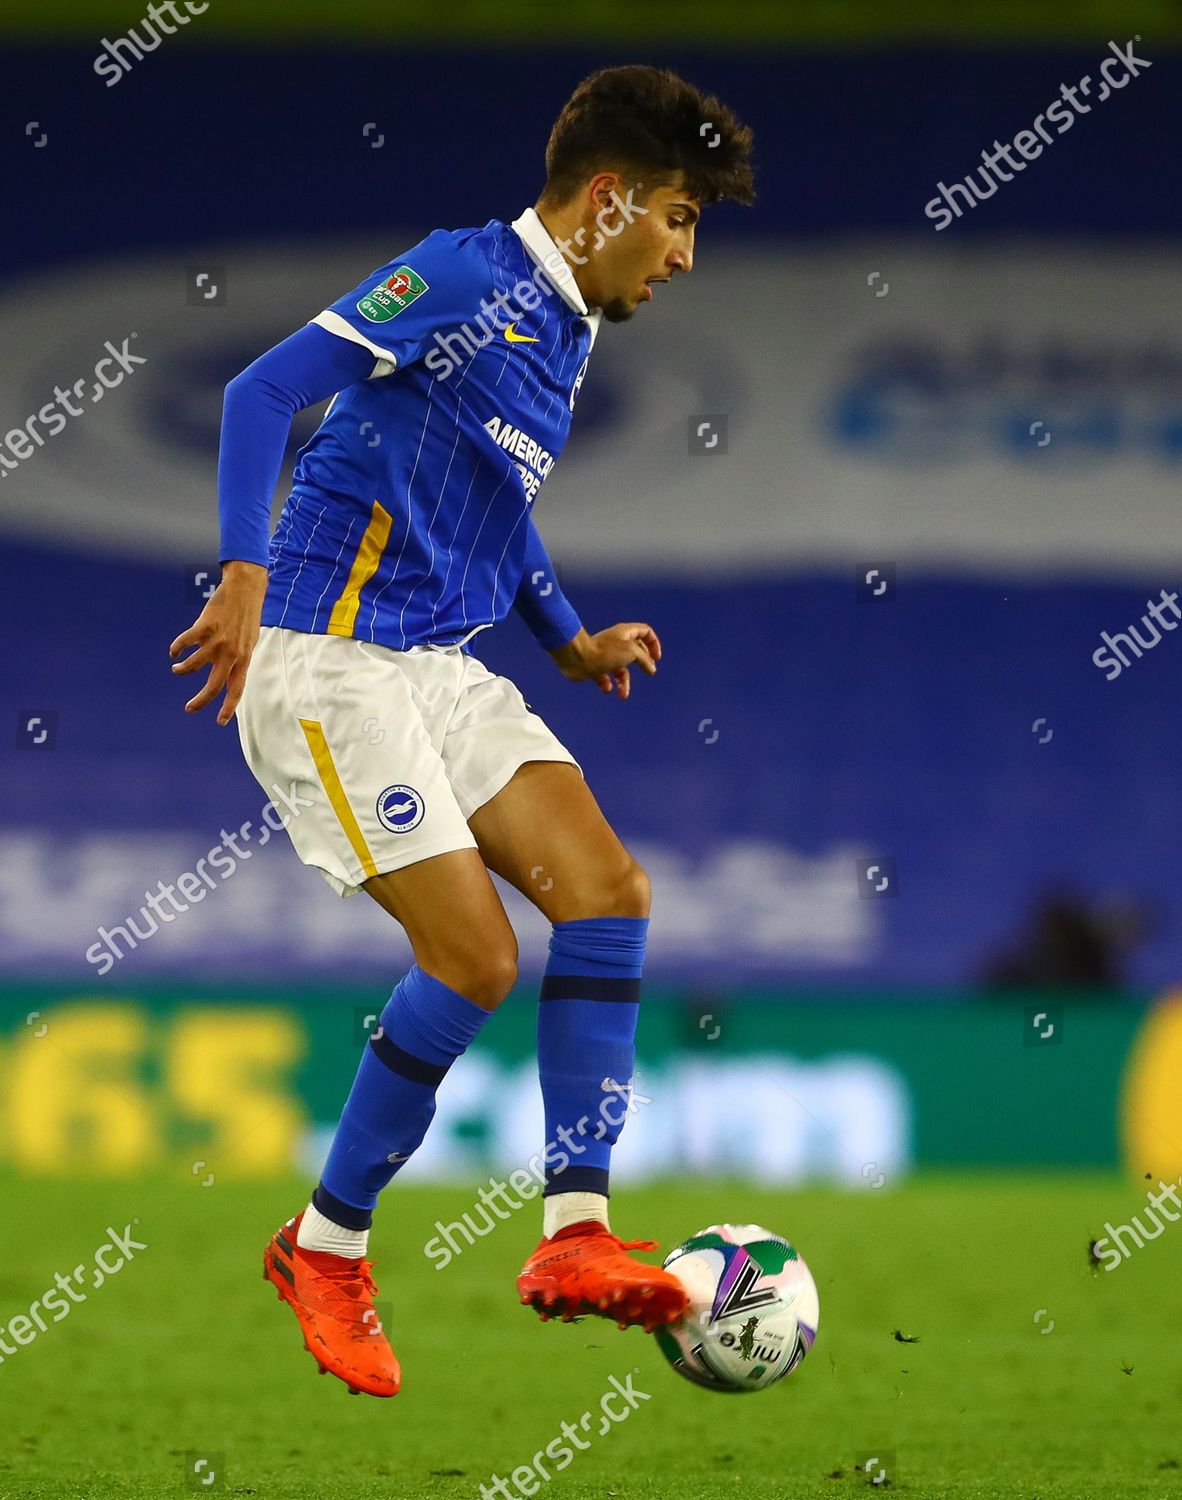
[
  {"x": 633, "y": 893},
  {"x": 636, "y": 891},
  {"x": 500, "y": 975},
  {"x": 483, "y": 972},
  {"x": 616, "y": 890}
]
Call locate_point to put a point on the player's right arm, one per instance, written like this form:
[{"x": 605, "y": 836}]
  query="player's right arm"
[
  {"x": 387, "y": 322},
  {"x": 308, "y": 367}
]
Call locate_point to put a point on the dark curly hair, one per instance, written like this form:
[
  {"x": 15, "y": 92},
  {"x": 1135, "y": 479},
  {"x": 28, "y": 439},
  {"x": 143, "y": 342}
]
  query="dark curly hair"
[{"x": 649, "y": 123}]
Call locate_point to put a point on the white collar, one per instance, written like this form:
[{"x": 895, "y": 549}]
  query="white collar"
[{"x": 537, "y": 240}]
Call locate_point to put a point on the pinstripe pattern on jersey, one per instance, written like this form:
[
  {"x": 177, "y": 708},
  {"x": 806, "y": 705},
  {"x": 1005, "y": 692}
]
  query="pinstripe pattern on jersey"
[{"x": 410, "y": 504}]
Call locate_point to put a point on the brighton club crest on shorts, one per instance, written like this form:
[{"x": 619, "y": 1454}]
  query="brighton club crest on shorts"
[{"x": 400, "y": 808}]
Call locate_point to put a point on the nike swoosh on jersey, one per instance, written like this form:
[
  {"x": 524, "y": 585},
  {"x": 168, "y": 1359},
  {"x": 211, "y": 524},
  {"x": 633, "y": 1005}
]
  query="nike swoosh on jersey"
[{"x": 518, "y": 338}]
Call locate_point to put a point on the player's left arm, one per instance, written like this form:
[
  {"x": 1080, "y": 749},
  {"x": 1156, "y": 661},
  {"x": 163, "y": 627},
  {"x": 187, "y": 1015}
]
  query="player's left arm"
[
  {"x": 605, "y": 657},
  {"x": 552, "y": 619},
  {"x": 608, "y": 656}
]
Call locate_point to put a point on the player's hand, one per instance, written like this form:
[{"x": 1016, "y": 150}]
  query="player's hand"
[
  {"x": 223, "y": 637},
  {"x": 607, "y": 657}
]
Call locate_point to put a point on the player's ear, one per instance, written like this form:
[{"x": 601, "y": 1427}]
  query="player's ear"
[{"x": 602, "y": 192}]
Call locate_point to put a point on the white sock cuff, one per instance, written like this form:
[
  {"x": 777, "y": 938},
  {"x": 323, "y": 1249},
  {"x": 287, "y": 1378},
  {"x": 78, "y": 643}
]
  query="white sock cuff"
[
  {"x": 318, "y": 1233},
  {"x": 560, "y": 1210}
]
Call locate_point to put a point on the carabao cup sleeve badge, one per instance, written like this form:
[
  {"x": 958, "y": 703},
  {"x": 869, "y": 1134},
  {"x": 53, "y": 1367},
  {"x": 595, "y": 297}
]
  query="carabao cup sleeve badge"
[{"x": 392, "y": 296}]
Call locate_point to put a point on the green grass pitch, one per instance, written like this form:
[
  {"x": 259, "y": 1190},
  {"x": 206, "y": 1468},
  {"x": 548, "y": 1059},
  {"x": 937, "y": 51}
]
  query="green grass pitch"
[{"x": 187, "y": 1351}]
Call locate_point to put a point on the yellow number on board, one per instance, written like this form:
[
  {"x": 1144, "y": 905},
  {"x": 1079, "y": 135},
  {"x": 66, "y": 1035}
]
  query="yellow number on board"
[
  {"x": 232, "y": 1068},
  {"x": 76, "y": 1100}
]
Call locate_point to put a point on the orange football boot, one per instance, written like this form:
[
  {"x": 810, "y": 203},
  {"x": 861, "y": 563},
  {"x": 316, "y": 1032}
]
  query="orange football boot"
[
  {"x": 332, "y": 1298},
  {"x": 585, "y": 1269}
]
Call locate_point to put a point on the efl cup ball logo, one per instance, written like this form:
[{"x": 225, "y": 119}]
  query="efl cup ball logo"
[{"x": 400, "y": 808}]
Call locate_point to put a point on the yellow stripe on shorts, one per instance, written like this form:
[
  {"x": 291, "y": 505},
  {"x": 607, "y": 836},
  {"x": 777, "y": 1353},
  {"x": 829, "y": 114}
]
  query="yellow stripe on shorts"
[
  {"x": 365, "y": 565},
  {"x": 327, "y": 771}
]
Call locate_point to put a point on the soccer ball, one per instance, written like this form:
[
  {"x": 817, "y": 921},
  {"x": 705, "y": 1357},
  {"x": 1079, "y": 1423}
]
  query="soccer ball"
[{"x": 753, "y": 1309}]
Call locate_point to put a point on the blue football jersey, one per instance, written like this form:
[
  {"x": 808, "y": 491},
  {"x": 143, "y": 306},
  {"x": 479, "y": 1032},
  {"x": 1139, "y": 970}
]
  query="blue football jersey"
[{"x": 409, "y": 516}]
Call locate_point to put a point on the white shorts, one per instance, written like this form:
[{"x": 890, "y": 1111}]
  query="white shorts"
[{"x": 394, "y": 749}]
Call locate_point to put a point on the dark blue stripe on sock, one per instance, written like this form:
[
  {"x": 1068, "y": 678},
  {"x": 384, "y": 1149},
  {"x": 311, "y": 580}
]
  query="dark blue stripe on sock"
[
  {"x": 340, "y": 1213},
  {"x": 589, "y": 987},
  {"x": 405, "y": 1064},
  {"x": 576, "y": 1180}
]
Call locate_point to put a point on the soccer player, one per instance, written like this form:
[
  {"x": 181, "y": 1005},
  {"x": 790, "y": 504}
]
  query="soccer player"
[{"x": 454, "y": 371}]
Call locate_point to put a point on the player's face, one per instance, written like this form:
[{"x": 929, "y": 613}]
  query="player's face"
[{"x": 640, "y": 250}]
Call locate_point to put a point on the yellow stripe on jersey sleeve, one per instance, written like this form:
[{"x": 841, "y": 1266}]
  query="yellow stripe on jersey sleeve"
[
  {"x": 327, "y": 771},
  {"x": 365, "y": 565}
]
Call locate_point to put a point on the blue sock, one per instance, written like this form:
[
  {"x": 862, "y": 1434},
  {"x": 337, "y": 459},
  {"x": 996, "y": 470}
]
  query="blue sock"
[
  {"x": 587, "y": 1016},
  {"x": 423, "y": 1029}
]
